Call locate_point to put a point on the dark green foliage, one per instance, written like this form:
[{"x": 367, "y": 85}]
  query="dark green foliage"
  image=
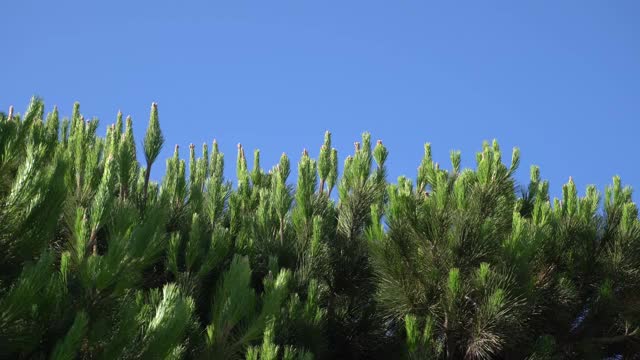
[{"x": 101, "y": 262}]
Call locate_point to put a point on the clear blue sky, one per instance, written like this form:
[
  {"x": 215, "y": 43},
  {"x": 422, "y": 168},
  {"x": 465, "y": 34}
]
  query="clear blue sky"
[{"x": 559, "y": 79}]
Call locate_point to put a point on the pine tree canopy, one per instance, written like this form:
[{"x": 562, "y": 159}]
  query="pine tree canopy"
[{"x": 99, "y": 261}]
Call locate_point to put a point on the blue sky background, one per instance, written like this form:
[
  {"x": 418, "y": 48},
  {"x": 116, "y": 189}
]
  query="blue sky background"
[{"x": 559, "y": 79}]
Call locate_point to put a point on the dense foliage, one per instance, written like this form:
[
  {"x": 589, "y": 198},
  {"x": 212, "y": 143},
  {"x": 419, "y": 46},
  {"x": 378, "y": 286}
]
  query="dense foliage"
[{"x": 98, "y": 261}]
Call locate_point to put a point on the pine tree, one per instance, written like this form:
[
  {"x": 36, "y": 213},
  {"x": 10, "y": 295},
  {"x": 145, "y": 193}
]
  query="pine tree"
[
  {"x": 101, "y": 261},
  {"x": 474, "y": 272}
]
